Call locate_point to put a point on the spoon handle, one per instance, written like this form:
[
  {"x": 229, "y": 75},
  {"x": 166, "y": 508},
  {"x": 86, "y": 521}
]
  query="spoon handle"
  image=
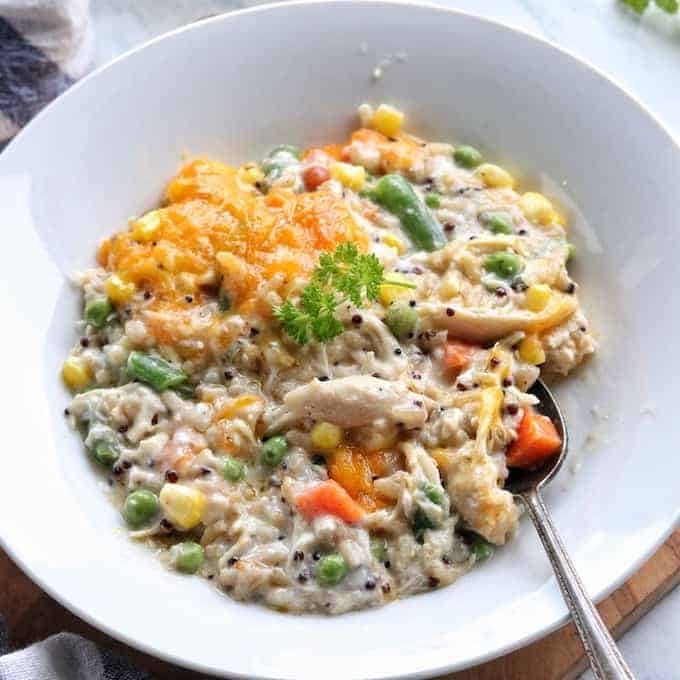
[{"x": 603, "y": 654}]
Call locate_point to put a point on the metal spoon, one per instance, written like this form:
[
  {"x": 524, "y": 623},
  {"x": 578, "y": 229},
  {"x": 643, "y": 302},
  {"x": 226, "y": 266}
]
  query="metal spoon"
[{"x": 603, "y": 654}]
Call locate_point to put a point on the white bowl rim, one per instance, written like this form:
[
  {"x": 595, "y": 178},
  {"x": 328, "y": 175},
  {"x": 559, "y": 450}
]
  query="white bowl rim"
[{"x": 662, "y": 533}]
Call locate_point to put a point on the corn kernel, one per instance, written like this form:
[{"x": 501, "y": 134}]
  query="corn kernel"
[
  {"x": 536, "y": 208},
  {"x": 118, "y": 290},
  {"x": 326, "y": 435},
  {"x": 75, "y": 373},
  {"x": 449, "y": 288},
  {"x": 494, "y": 176},
  {"x": 389, "y": 293},
  {"x": 392, "y": 241},
  {"x": 146, "y": 228},
  {"x": 558, "y": 218},
  {"x": 537, "y": 297},
  {"x": 351, "y": 176},
  {"x": 531, "y": 350},
  {"x": 182, "y": 505},
  {"x": 387, "y": 120},
  {"x": 250, "y": 174}
]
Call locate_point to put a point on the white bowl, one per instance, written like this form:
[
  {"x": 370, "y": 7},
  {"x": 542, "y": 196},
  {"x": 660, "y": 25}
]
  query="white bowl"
[{"x": 230, "y": 88}]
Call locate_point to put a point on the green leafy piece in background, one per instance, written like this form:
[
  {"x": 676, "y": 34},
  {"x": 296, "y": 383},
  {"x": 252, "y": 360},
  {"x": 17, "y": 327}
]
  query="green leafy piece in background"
[
  {"x": 640, "y": 6},
  {"x": 670, "y": 6}
]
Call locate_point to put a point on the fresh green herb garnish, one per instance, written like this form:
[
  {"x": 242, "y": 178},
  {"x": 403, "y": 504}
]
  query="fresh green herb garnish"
[
  {"x": 640, "y": 6},
  {"x": 342, "y": 276}
]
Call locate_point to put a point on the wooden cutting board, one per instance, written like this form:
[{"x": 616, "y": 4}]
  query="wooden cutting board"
[{"x": 32, "y": 615}]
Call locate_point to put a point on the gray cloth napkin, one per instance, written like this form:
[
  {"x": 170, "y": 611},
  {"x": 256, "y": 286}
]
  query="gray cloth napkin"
[
  {"x": 63, "y": 657},
  {"x": 45, "y": 45}
]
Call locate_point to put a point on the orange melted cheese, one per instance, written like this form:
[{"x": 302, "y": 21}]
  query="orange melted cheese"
[
  {"x": 216, "y": 231},
  {"x": 355, "y": 470}
]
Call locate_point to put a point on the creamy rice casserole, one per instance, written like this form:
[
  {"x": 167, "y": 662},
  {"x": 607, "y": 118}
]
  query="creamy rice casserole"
[{"x": 306, "y": 378}]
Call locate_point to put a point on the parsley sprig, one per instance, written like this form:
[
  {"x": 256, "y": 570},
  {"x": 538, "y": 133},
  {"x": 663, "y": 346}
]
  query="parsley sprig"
[
  {"x": 345, "y": 275},
  {"x": 640, "y": 6}
]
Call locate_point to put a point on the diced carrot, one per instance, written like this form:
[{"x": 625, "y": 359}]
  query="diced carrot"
[
  {"x": 314, "y": 176},
  {"x": 335, "y": 151},
  {"x": 328, "y": 498},
  {"x": 458, "y": 355},
  {"x": 370, "y": 137},
  {"x": 537, "y": 440}
]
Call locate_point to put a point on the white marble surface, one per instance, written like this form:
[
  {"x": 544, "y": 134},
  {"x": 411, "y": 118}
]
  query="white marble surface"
[{"x": 643, "y": 55}]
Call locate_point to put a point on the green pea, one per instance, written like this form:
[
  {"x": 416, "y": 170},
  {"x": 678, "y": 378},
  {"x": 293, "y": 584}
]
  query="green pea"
[
  {"x": 482, "y": 549},
  {"x": 154, "y": 371},
  {"x": 379, "y": 548},
  {"x": 97, "y": 311},
  {"x": 105, "y": 452},
  {"x": 279, "y": 158},
  {"x": 432, "y": 493},
  {"x": 401, "y": 319},
  {"x": 140, "y": 507},
  {"x": 188, "y": 557},
  {"x": 571, "y": 252},
  {"x": 467, "y": 156},
  {"x": 331, "y": 570},
  {"x": 233, "y": 469},
  {"x": 499, "y": 223},
  {"x": 433, "y": 200},
  {"x": 366, "y": 193},
  {"x": 420, "y": 522},
  {"x": 273, "y": 168},
  {"x": 274, "y": 451},
  {"x": 503, "y": 264},
  {"x": 285, "y": 149}
]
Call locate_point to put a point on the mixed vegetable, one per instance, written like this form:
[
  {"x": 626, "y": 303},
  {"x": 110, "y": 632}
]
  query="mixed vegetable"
[{"x": 343, "y": 257}]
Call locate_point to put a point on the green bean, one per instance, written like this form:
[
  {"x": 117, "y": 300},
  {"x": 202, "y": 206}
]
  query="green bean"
[
  {"x": 467, "y": 156},
  {"x": 433, "y": 200},
  {"x": 401, "y": 319},
  {"x": 186, "y": 391},
  {"x": 503, "y": 263},
  {"x": 331, "y": 570},
  {"x": 105, "y": 452},
  {"x": 274, "y": 451},
  {"x": 97, "y": 311},
  {"x": 140, "y": 507},
  {"x": 188, "y": 557},
  {"x": 233, "y": 469},
  {"x": 154, "y": 371},
  {"x": 395, "y": 194}
]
